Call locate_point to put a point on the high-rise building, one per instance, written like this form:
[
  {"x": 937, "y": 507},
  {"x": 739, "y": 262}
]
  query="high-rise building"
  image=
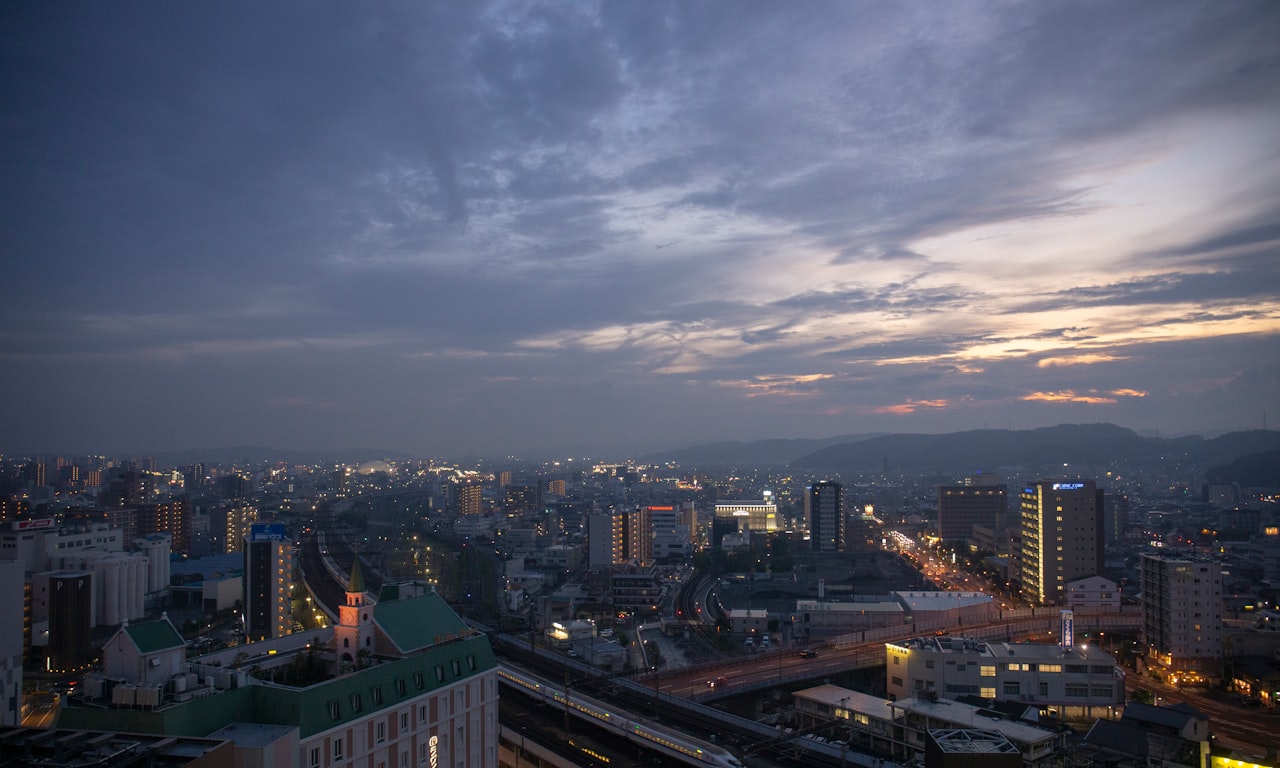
[
  {"x": 521, "y": 498},
  {"x": 1115, "y": 517},
  {"x": 960, "y": 507},
  {"x": 621, "y": 535},
  {"x": 1182, "y": 618},
  {"x": 827, "y": 521},
  {"x": 12, "y": 599},
  {"x": 470, "y": 499},
  {"x": 605, "y": 545},
  {"x": 240, "y": 517},
  {"x": 267, "y": 580},
  {"x": 1061, "y": 537},
  {"x": 670, "y": 531},
  {"x": 70, "y": 596}
]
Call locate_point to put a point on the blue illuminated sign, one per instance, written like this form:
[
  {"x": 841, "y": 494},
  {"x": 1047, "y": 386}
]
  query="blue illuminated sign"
[{"x": 1067, "y": 486}]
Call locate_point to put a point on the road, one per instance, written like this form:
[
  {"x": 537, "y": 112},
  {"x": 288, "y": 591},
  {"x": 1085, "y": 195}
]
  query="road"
[{"x": 1232, "y": 726}]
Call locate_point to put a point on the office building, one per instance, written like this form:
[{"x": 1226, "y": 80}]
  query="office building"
[
  {"x": 751, "y": 515},
  {"x": 1080, "y": 680},
  {"x": 268, "y": 578},
  {"x": 1182, "y": 618},
  {"x": 825, "y": 503},
  {"x": 961, "y": 507},
  {"x": 671, "y": 529},
  {"x": 1062, "y": 537},
  {"x": 39, "y": 543}
]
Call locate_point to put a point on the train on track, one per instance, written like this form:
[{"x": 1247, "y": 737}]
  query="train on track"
[{"x": 668, "y": 742}]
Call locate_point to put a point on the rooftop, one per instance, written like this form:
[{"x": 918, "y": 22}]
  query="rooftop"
[
  {"x": 152, "y": 636},
  {"x": 967, "y": 716}
]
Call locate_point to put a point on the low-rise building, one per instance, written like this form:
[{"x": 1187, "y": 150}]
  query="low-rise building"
[
  {"x": 748, "y": 621},
  {"x": 1093, "y": 594},
  {"x": 824, "y": 618},
  {"x": 1075, "y": 681},
  {"x": 900, "y": 729},
  {"x": 947, "y": 608},
  {"x": 1150, "y": 735}
]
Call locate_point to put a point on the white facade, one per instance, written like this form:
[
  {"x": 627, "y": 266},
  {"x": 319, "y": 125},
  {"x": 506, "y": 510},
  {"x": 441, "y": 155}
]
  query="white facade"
[
  {"x": 1095, "y": 594},
  {"x": 1036, "y": 674},
  {"x": 119, "y": 584},
  {"x": 39, "y": 543},
  {"x": 156, "y": 547},
  {"x": 1182, "y": 616}
]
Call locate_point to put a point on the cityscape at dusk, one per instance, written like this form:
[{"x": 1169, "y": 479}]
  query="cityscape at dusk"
[
  {"x": 606, "y": 384},
  {"x": 514, "y": 228}
]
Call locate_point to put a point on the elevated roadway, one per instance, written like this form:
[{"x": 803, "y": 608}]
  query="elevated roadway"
[{"x": 861, "y": 650}]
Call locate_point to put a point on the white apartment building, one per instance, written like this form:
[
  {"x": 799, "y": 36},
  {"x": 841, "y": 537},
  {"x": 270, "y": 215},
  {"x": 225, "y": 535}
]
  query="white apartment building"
[
  {"x": 1077, "y": 680},
  {"x": 1182, "y": 617}
]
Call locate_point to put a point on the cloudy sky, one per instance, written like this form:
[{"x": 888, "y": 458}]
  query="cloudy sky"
[{"x": 498, "y": 227}]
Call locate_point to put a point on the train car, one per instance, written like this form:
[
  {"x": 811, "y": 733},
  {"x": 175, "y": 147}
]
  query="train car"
[{"x": 666, "y": 741}]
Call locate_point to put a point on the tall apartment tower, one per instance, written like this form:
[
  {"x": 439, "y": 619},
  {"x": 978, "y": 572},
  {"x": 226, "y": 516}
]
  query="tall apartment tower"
[
  {"x": 470, "y": 498},
  {"x": 266, "y": 582},
  {"x": 1182, "y": 617},
  {"x": 604, "y": 541},
  {"x": 826, "y": 516},
  {"x": 960, "y": 507},
  {"x": 1062, "y": 537}
]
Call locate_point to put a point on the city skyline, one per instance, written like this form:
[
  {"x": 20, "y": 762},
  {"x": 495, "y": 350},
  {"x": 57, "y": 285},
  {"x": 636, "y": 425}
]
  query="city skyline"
[{"x": 486, "y": 228}]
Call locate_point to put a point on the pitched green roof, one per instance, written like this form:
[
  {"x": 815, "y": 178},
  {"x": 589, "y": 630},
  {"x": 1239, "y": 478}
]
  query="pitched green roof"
[
  {"x": 152, "y": 636},
  {"x": 418, "y": 622}
]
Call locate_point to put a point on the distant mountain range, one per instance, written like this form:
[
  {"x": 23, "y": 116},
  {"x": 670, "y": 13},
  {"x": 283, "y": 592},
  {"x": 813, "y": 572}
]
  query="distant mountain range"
[
  {"x": 1257, "y": 470},
  {"x": 758, "y": 453},
  {"x": 978, "y": 449}
]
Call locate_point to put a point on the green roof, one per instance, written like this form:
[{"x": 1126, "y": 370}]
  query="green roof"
[
  {"x": 418, "y": 622},
  {"x": 312, "y": 709},
  {"x": 152, "y": 636}
]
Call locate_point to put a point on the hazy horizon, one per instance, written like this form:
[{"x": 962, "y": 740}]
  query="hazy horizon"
[{"x": 480, "y": 228}]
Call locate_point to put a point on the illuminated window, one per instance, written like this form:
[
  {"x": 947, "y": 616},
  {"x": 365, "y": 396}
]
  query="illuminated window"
[{"x": 987, "y": 670}]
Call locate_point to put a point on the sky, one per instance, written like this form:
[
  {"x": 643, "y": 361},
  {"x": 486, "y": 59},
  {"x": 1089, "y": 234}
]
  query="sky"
[{"x": 512, "y": 227}]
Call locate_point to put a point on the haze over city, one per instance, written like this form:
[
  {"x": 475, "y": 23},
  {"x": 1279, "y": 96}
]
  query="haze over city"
[{"x": 492, "y": 227}]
